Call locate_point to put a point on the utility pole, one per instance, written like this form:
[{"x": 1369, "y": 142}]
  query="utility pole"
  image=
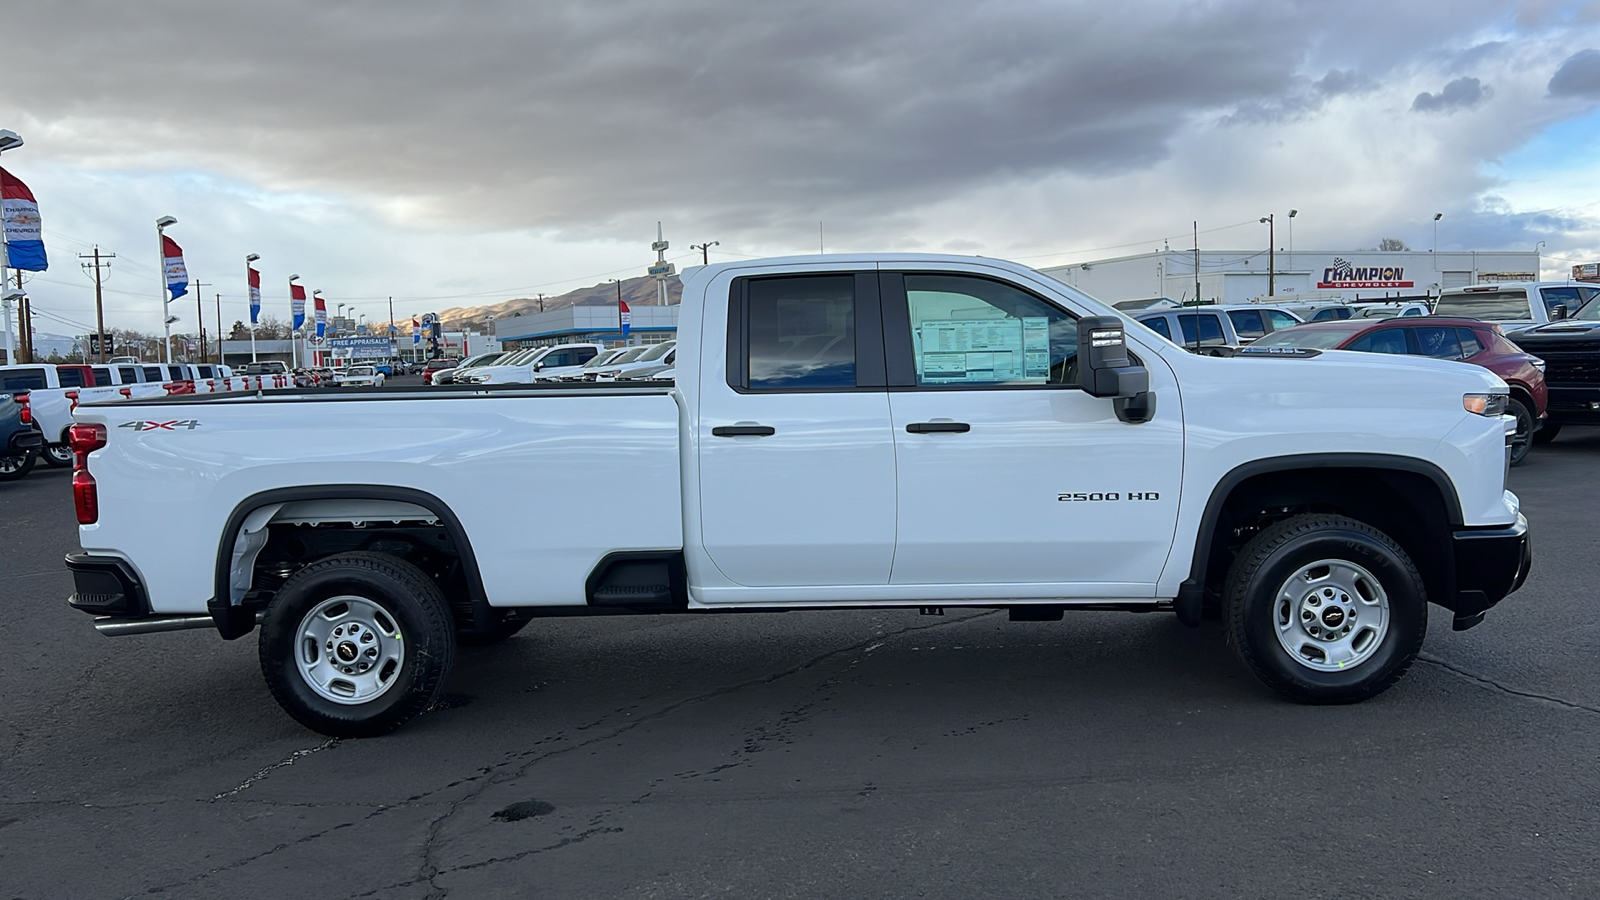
[
  {"x": 219, "y": 328},
  {"x": 99, "y": 302},
  {"x": 200, "y": 317},
  {"x": 541, "y": 303},
  {"x": 1272, "y": 241},
  {"x": 705, "y": 251},
  {"x": 25, "y": 324}
]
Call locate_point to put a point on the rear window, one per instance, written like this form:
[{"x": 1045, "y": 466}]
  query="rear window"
[
  {"x": 1247, "y": 322},
  {"x": 129, "y": 374},
  {"x": 1204, "y": 329},
  {"x": 152, "y": 373},
  {"x": 206, "y": 372},
  {"x": 1490, "y": 306},
  {"x": 102, "y": 376},
  {"x": 22, "y": 380},
  {"x": 70, "y": 378}
]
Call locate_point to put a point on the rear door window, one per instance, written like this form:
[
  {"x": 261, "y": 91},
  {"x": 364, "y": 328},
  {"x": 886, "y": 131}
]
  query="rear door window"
[
  {"x": 1248, "y": 323},
  {"x": 1204, "y": 329},
  {"x": 1388, "y": 340},
  {"x": 799, "y": 334},
  {"x": 1279, "y": 319},
  {"x": 1437, "y": 342},
  {"x": 1470, "y": 345}
]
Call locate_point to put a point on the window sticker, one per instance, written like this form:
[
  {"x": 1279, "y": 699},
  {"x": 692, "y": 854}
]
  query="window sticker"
[{"x": 984, "y": 351}]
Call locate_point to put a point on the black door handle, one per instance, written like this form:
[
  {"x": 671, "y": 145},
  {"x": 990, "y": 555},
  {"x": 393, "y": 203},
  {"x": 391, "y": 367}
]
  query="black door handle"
[
  {"x": 743, "y": 430},
  {"x": 931, "y": 427}
]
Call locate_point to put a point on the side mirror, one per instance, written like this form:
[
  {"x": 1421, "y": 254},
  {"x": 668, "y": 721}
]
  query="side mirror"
[
  {"x": 1106, "y": 370},
  {"x": 538, "y": 367},
  {"x": 1559, "y": 313}
]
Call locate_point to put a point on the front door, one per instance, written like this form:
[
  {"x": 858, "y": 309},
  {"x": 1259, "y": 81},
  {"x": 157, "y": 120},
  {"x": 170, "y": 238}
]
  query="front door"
[
  {"x": 797, "y": 470},
  {"x": 1008, "y": 473}
]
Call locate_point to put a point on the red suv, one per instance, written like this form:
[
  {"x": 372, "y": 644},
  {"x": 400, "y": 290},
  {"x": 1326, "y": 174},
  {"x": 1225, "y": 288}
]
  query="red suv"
[
  {"x": 436, "y": 365},
  {"x": 1439, "y": 337}
]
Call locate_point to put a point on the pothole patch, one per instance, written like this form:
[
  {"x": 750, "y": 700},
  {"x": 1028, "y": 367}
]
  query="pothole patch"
[{"x": 527, "y": 809}]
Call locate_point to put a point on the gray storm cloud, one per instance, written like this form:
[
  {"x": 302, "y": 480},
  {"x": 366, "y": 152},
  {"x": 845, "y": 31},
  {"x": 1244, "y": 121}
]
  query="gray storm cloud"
[
  {"x": 572, "y": 116},
  {"x": 1463, "y": 93},
  {"x": 1578, "y": 76}
]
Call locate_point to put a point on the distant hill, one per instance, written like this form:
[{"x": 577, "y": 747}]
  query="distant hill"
[{"x": 636, "y": 292}]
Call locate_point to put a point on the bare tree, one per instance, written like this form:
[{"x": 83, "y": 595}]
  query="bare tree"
[{"x": 1392, "y": 244}]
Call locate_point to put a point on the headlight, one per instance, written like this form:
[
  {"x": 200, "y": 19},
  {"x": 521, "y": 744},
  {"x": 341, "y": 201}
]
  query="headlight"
[{"x": 1490, "y": 405}]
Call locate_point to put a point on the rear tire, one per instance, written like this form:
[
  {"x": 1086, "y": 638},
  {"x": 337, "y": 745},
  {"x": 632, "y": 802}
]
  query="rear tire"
[
  {"x": 1325, "y": 609},
  {"x": 57, "y": 456},
  {"x": 1548, "y": 433},
  {"x": 1522, "y": 441},
  {"x": 356, "y": 645},
  {"x": 16, "y": 465}
]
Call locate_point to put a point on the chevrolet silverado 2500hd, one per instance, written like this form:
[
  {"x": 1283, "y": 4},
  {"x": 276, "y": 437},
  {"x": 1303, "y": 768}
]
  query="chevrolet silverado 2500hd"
[{"x": 843, "y": 432}]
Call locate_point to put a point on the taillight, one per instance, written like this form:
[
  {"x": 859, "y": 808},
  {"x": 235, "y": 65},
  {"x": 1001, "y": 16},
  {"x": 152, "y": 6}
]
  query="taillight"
[
  {"x": 84, "y": 439},
  {"x": 25, "y": 409}
]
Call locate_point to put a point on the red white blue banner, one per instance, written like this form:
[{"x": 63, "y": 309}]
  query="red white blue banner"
[
  {"x": 23, "y": 236},
  {"x": 322, "y": 316},
  {"x": 416, "y": 331},
  {"x": 177, "y": 273},
  {"x": 297, "y": 305},
  {"x": 624, "y": 317},
  {"x": 255, "y": 294}
]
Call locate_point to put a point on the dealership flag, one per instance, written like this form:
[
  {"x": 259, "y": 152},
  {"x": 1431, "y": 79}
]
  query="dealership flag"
[
  {"x": 416, "y": 331},
  {"x": 322, "y": 314},
  {"x": 255, "y": 295},
  {"x": 177, "y": 275},
  {"x": 624, "y": 317},
  {"x": 297, "y": 305},
  {"x": 22, "y": 232}
]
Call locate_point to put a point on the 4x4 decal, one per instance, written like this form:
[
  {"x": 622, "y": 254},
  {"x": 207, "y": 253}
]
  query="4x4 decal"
[{"x": 174, "y": 425}]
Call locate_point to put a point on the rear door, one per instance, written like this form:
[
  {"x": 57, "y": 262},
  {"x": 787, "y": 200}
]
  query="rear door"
[
  {"x": 796, "y": 459},
  {"x": 1008, "y": 473}
]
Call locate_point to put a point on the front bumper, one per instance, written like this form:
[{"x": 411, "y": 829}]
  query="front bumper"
[
  {"x": 1573, "y": 406},
  {"x": 1490, "y": 563}
]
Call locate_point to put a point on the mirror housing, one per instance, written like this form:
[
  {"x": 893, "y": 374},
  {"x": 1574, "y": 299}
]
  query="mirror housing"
[
  {"x": 1104, "y": 368},
  {"x": 1559, "y": 313}
]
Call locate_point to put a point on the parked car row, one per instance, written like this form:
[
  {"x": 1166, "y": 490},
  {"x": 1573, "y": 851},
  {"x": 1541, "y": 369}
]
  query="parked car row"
[{"x": 569, "y": 363}]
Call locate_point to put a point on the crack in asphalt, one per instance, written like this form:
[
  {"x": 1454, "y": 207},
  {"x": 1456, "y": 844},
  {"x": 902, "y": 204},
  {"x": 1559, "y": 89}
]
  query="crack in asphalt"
[
  {"x": 286, "y": 761},
  {"x": 429, "y": 871},
  {"x": 1502, "y": 688}
]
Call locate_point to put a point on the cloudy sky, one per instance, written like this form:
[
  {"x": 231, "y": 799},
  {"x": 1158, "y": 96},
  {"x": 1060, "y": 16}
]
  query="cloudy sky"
[{"x": 448, "y": 154}]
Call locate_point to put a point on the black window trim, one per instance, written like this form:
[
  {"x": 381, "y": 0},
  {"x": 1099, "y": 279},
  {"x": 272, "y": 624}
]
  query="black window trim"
[
  {"x": 869, "y": 344},
  {"x": 902, "y": 372}
]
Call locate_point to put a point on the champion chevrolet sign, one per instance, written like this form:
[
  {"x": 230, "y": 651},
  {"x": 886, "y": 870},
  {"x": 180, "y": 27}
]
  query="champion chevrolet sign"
[{"x": 1343, "y": 275}]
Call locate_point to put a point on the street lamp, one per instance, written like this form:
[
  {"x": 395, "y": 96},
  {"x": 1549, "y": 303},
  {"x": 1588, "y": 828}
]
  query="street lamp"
[
  {"x": 1292, "y": 214},
  {"x": 1436, "y": 218},
  {"x": 9, "y": 140},
  {"x": 1272, "y": 267},
  {"x": 166, "y": 298}
]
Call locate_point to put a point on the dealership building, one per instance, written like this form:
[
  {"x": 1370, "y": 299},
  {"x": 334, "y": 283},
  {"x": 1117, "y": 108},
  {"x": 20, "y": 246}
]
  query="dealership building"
[
  {"x": 1240, "y": 276},
  {"x": 597, "y": 324}
]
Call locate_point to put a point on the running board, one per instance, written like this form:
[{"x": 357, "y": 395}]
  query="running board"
[{"x": 111, "y": 626}]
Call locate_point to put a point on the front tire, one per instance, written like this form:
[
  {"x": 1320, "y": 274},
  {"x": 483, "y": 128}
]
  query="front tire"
[
  {"x": 1548, "y": 433},
  {"x": 1325, "y": 609},
  {"x": 16, "y": 465},
  {"x": 1522, "y": 441},
  {"x": 356, "y": 645}
]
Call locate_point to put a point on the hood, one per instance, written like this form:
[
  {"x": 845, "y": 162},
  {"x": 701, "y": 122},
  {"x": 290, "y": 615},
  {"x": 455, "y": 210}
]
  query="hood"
[{"x": 1565, "y": 330}]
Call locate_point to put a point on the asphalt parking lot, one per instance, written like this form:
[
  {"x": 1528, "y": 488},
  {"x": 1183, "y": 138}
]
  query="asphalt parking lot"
[{"x": 837, "y": 754}]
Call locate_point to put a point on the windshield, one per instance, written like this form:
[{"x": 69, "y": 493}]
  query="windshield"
[
  {"x": 360, "y": 370},
  {"x": 483, "y": 360},
  {"x": 1490, "y": 306},
  {"x": 1590, "y": 311},
  {"x": 629, "y": 355},
  {"x": 656, "y": 352},
  {"x": 604, "y": 357},
  {"x": 1309, "y": 338}
]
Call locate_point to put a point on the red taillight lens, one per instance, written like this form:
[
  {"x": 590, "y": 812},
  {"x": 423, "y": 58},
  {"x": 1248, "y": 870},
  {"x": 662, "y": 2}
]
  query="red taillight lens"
[
  {"x": 84, "y": 440},
  {"x": 85, "y": 497},
  {"x": 24, "y": 409}
]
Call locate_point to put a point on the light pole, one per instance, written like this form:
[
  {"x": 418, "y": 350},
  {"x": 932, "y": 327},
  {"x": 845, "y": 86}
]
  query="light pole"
[
  {"x": 1436, "y": 218},
  {"x": 166, "y": 299},
  {"x": 9, "y": 140},
  {"x": 252, "y": 290},
  {"x": 1538, "y": 264},
  {"x": 340, "y": 313},
  {"x": 1292, "y": 214},
  {"x": 705, "y": 256},
  {"x": 1272, "y": 268}
]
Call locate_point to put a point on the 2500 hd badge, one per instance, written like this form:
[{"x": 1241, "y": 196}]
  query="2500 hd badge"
[{"x": 1111, "y": 496}]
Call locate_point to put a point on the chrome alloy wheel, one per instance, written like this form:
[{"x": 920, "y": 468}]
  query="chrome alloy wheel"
[
  {"x": 349, "y": 650},
  {"x": 1331, "y": 615}
]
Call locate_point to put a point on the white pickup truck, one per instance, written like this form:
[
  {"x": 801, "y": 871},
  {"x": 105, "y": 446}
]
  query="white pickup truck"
[{"x": 844, "y": 432}]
